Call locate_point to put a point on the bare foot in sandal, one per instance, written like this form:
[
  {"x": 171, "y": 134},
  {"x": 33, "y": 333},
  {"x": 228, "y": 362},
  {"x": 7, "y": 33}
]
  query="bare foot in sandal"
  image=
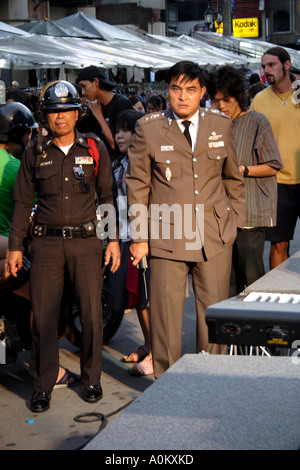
[
  {"x": 137, "y": 356},
  {"x": 66, "y": 378},
  {"x": 144, "y": 367}
]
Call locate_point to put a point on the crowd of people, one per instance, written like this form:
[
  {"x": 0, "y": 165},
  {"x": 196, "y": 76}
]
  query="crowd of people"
[{"x": 196, "y": 191}]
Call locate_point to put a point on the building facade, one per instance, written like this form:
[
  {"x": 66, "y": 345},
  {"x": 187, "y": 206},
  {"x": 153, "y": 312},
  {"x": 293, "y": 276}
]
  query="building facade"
[{"x": 279, "y": 20}]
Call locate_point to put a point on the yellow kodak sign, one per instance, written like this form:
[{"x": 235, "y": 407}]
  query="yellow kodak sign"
[{"x": 245, "y": 27}]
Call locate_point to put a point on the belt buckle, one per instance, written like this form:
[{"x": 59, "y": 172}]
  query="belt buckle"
[{"x": 67, "y": 233}]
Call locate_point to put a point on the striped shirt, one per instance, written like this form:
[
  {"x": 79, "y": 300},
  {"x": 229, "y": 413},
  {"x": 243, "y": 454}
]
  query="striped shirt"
[{"x": 255, "y": 144}]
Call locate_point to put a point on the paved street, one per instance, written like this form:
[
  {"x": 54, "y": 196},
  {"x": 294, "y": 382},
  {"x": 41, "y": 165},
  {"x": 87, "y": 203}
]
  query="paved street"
[{"x": 56, "y": 429}]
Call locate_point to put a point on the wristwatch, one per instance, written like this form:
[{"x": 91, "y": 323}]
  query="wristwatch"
[{"x": 246, "y": 171}]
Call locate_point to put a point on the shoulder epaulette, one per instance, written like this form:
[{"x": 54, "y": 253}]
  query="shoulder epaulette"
[
  {"x": 215, "y": 112},
  {"x": 90, "y": 135},
  {"x": 152, "y": 117}
]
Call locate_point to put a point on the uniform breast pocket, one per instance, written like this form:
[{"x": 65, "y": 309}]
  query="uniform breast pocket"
[
  {"x": 83, "y": 178},
  {"x": 47, "y": 181},
  {"x": 215, "y": 160},
  {"x": 167, "y": 165}
]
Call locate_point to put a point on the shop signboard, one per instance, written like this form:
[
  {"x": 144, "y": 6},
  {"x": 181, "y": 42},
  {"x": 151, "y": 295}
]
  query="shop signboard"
[{"x": 245, "y": 27}]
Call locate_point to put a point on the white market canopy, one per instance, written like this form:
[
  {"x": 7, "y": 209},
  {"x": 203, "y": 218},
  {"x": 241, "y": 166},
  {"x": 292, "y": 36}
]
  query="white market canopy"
[
  {"x": 8, "y": 30},
  {"x": 52, "y": 28},
  {"x": 96, "y": 27},
  {"x": 244, "y": 46},
  {"x": 37, "y": 51}
]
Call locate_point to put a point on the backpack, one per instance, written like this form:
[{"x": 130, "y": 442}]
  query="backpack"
[{"x": 93, "y": 151}]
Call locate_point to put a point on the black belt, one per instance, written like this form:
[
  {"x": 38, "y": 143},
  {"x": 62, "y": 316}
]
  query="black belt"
[{"x": 79, "y": 231}]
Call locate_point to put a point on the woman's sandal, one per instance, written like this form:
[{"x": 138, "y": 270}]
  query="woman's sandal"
[
  {"x": 69, "y": 379},
  {"x": 137, "y": 356},
  {"x": 144, "y": 367}
]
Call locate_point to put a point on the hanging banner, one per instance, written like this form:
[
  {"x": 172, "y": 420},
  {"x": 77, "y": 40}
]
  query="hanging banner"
[
  {"x": 218, "y": 27},
  {"x": 245, "y": 27}
]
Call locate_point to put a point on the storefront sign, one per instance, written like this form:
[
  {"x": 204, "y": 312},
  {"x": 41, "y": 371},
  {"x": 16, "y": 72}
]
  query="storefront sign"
[{"x": 245, "y": 27}]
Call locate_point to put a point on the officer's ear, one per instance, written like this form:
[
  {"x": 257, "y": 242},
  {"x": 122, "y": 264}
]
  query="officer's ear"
[{"x": 202, "y": 92}]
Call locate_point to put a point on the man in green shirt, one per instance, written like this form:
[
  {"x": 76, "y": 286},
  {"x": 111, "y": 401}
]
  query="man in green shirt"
[
  {"x": 9, "y": 167},
  {"x": 16, "y": 124}
]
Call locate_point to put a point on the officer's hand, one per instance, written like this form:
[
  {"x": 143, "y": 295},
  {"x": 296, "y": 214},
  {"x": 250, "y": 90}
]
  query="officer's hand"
[
  {"x": 14, "y": 262},
  {"x": 138, "y": 250},
  {"x": 113, "y": 253}
]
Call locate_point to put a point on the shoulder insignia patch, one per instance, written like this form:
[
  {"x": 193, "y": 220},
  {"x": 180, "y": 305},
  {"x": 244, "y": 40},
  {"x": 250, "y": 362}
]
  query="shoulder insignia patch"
[
  {"x": 217, "y": 112},
  {"x": 152, "y": 117}
]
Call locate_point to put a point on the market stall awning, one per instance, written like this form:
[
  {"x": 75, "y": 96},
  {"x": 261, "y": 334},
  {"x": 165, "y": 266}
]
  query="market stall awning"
[
  {"x": 8, "y": 30},
  {"x": 35, "y": 51},
  {"x": 252, "y": 48},
  {"x": 209, "y": 54},
  {"x": 52, "y": 28},
  {"x": 103, "y": 30},
  {"x": 38, "y": 51}
]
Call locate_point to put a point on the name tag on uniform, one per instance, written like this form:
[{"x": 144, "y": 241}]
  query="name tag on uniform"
[
  {"x": 167, "y": 148},
  {"x": 213, "y": 145},
  {"x": 84, "y": 160}
]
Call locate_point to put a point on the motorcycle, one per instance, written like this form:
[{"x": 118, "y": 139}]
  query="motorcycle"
[{"x": 15, "y": 331}]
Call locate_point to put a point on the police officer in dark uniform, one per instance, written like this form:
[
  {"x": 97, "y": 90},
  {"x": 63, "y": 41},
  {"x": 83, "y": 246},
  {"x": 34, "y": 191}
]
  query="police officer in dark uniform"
[{"x": 66, "y": 175}]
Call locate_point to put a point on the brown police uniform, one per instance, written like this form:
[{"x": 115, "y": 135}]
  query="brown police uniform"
[
  {"x": 164, "y": 170},
  {"x": 65, "y": 203}
]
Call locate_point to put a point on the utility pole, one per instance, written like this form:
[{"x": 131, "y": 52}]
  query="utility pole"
[
  {"x": 263, "y": 19},
  {"x": 227, "y": 23}
]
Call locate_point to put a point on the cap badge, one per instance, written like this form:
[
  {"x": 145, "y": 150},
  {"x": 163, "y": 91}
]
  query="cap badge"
[{"x": 61, "y": 90}]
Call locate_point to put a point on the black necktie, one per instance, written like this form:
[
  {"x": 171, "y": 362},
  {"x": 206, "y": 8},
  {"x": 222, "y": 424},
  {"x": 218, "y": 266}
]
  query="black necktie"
[{"x": 187, "y": 132}]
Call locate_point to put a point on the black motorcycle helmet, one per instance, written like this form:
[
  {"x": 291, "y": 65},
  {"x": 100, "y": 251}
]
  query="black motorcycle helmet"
[
  {"x": 59, "y": 95},
  {"x": 15, "y": 120}
]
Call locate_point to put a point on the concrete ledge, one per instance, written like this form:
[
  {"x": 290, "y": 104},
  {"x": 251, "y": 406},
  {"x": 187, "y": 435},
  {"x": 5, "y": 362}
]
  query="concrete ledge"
[
  {"x": 210, "y": 402},
  {"x": 285, "y": 278}
]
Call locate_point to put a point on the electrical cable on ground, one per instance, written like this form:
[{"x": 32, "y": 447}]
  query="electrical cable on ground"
[{"x": 94, "y": 416}]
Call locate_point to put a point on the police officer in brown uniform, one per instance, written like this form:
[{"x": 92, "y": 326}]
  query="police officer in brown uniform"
[
  {"x": 197, "y": 186},
  {"x": 66, "y": 175}
]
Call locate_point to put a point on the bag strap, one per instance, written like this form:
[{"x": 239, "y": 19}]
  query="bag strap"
[{"x": 93, "y": 151}]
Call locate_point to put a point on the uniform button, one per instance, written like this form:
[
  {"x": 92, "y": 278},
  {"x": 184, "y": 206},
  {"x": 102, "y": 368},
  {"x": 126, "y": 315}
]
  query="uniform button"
[
  {"x": 66, "y": 179},
  {"x": 195, "y": 176},
  {"x": 168, "y": 162},
  {"x": 194, "y": 159},
  {"x": 196, "y": 192},
  {"x": 66, "y": 197},
  {"x": 218, "y": 157}
]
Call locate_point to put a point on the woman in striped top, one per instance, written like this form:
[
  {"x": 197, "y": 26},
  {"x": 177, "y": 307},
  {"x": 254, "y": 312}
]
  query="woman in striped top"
[{"x": 259, "y": 160}]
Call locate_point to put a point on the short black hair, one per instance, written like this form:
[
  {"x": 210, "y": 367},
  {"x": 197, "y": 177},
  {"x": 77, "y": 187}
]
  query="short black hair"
[
  {"x": 254, "y": 78},
  {"x": 127, "y": 119},
  {"x": 231, "y": 82},
  {"x": 15, "y": 94},
  {"x": 137, "y": 99},
  {"x": 256, "y": 88},
  {"x": 156, "y": 102},
  {"x": 189, "y": 70}
]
